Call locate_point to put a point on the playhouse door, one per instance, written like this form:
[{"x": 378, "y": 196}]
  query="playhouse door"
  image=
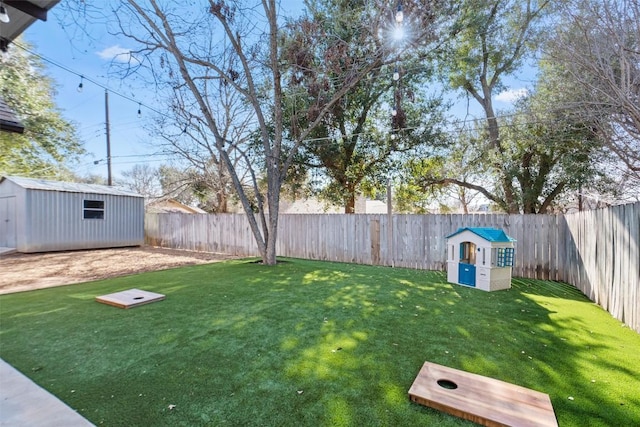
[{"x": 467, "y": 274}]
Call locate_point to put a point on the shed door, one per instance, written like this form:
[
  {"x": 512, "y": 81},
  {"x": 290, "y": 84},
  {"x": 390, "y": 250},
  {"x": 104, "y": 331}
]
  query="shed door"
[{"x": 8, "y": 222}]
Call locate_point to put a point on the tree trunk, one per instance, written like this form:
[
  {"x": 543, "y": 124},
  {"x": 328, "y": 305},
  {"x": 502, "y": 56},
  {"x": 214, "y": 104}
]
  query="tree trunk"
[
  {"x": 269, "y": 257},
  {"x": 462, "y": 196},
  {"x": 495, "y": 143},
  {"x": 222, "y": 205},
  {"x": 350, "y": 203},
  {"x": 273, "y": 202}
]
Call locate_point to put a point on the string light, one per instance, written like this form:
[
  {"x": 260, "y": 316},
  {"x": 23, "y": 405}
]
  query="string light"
[
  {"x": 4, "y": 16},
  {"x": 396, "y": 74},
  {"x": 398, "y": 34},
  {"x": 139, "y": 111},
  {"x": 399, "y": 14},
  {"x": 82, "y": 78}
]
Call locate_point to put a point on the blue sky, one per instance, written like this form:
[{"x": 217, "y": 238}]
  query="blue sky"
[
  {"x": 93, "y": 58},
  {"x": 130, "y": 143}
]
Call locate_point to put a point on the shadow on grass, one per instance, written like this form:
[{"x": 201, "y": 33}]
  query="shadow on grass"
[
  {"x": 312, "y": 343},
  {"x": 540, "y": 335}
]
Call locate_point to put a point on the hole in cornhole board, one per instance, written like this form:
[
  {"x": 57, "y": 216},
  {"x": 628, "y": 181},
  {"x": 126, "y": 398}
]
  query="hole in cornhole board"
[
  {"x": 130, "y": 298},
  {"x": 447, "y": 384},
  {"x": 485, "y": 401}
]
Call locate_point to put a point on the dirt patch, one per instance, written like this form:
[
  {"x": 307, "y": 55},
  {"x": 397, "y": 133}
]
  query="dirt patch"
[{"x": 23, "y": 272}]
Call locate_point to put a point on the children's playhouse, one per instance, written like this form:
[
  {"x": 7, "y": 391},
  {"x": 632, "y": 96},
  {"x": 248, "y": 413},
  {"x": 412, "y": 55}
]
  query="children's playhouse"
[{"x": 480, "y": 257}]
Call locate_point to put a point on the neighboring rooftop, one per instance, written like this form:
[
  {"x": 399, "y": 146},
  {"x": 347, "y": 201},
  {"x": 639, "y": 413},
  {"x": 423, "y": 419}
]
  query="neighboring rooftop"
[{"x": 171, "y": 206}]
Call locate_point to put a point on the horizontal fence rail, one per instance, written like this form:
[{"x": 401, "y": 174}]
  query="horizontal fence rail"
[{"x": 596, "y": 251}]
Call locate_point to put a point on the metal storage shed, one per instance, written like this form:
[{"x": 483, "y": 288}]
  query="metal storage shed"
[{"x": 40, "y": 216}]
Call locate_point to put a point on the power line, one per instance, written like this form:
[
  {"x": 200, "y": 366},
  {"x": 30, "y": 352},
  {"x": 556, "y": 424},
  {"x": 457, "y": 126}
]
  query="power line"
[
  {"x": 460, "y": 123},
  {"x": 83, "y": 78}
]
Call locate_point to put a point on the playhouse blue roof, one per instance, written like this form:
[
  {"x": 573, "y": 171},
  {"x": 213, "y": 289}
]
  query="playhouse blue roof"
[{"x": 489, "y": 234}]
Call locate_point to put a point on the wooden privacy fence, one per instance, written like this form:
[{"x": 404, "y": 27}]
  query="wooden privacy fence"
[
  {"x": 596, "y": 251},
  {"x": 414, "y": 241},
  {"x": 601, "y": 257}
]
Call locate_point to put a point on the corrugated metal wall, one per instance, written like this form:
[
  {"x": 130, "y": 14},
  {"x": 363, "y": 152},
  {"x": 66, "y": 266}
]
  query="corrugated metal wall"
[
  {"x": 54, "y": 222},
  {"x": 12, "y": 215}
]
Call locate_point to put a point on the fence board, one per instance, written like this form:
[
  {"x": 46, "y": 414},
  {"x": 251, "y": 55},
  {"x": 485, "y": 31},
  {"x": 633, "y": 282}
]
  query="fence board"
[
  {"x": 596, "y": 251},
  {"x": 554, "y": 250}
]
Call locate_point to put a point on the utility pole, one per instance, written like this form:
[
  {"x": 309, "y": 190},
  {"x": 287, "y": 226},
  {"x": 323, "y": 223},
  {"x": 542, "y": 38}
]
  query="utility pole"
[{"x": 106, "y": 113}]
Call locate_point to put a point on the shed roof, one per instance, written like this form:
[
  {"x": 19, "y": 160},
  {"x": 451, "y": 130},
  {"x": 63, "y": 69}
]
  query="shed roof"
[
  {"x": 68, "y": 187},
  {"x": 489, "y": 234}
]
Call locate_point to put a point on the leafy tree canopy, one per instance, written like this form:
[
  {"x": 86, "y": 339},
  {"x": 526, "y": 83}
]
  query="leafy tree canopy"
[
  {"x": 49, "y": 144},
  {"x": 382, "y": 119}
]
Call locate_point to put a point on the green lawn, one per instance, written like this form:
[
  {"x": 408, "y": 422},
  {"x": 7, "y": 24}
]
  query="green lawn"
[{"x": 313, "y": 343}]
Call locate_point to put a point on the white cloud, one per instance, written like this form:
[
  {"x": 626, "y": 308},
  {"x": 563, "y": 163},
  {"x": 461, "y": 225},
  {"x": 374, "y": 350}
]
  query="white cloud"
[
  {"x": 512, "y": 95},
  {"x": 118, "y": 54}
]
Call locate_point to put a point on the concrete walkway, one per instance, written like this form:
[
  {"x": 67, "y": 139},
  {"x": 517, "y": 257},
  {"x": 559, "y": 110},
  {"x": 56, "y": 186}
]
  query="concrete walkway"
[{"x": 24, "y": 403}]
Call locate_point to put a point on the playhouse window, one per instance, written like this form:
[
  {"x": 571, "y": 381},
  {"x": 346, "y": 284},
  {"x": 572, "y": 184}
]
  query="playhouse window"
[
  {"x": 93, "y": 209},
  {"x": 505, "y": 257},
  {"x": 467, "y": 253}
]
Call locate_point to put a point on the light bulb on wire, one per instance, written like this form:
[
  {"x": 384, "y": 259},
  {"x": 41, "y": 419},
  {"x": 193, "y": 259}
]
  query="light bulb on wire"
[
  {"x": 396, "y": 74},
  {"x": 399, "y": 14},
  {"x": 80, "y": 86},
  {"x": 139, "y": 111},
  {"x": 4, "y": 16}
]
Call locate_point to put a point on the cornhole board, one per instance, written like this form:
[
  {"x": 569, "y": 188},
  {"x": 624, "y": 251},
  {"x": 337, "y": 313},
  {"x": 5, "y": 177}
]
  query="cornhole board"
[
  {"x": 130, "y": 298},
  {"x": 485, "y": 401}
]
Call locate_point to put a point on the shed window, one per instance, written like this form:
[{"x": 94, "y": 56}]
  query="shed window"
[
  {"x": 93, "y": 209},
  {"x": 505, "y": 257}
]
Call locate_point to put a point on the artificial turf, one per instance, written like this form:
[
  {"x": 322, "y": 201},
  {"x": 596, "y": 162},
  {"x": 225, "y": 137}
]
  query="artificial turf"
[{"x": 313, "y": 343}]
